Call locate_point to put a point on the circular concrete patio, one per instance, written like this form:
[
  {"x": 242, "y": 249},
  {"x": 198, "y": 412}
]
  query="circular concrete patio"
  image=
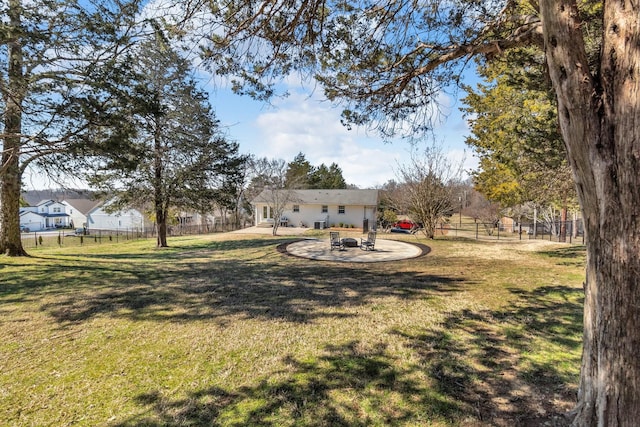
[{"x": 385, "y": 250}]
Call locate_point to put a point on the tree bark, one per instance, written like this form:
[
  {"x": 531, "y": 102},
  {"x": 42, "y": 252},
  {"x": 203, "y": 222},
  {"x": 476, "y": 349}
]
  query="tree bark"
[
  {"x": 161, "y": 205},
  {"x": 161, "y": 219},
  {"x": 599, "y": 117},
  {"x": 10, "y": 239},
  {"x": 10, "y": 171},
  {"x": 161, "y": 208}
]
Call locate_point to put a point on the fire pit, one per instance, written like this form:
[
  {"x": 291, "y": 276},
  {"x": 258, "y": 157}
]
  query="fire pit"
[{"x": 349, "y": 242}]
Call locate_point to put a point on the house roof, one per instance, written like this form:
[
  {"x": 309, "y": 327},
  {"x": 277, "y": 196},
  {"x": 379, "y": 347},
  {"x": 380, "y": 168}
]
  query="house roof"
[
  {"x": 327, "y": 197},
  {"x": 26, "y": 212},
  {"x": 83, "y": 206}
]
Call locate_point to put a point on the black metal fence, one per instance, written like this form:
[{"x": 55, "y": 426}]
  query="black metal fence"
[
  {"x": 560, "y": 231},
  {"x": 67, "y": 237},
  {"x": 557, "y": 231}
]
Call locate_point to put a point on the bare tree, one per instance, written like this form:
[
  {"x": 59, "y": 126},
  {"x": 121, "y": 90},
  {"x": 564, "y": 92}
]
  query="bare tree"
[
  {"x": 277, "y": 192},
  {"x": 481, "y": 209},
  {"x": 426, "y": 188}
]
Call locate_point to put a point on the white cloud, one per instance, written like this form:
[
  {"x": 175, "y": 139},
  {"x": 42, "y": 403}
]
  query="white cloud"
[
  {"x": 303, "y": 124},
  {"x": 300, "y": 124}
]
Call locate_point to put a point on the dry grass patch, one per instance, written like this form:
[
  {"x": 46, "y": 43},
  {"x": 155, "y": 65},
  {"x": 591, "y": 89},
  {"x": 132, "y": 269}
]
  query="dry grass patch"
[{"x": 225, "y": 330}]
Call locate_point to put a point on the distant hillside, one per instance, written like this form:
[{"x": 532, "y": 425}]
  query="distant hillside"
[{"x": 34, "y": 196}]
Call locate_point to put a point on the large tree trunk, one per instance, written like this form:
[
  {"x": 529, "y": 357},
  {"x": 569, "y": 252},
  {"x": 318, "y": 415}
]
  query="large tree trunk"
[
  {"x": 600, "y": 121},
  {"x": 161, "y": 218},
  {"x": 161, "y": 205},
  {"x": 161, "y": 211},
  {"x": 10, "y": 172},
  {"x": 10, "y": 239}
]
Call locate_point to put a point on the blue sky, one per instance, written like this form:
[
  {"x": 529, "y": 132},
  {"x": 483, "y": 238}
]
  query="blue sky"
[{"x": 305, "y": 123}]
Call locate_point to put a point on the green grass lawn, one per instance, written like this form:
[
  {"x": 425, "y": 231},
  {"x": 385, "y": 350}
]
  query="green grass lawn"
[{"x": 226, "y": 330}]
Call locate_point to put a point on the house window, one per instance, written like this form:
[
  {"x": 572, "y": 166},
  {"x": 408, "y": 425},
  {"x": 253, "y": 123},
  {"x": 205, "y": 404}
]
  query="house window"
[
  {"x": 266, "y": 212},
  {"x": 341, "y": 209},
  {"x": 325, "y": 208},
  {"x": 56, "y": 210},
  {"x": 296, "y": 208}
]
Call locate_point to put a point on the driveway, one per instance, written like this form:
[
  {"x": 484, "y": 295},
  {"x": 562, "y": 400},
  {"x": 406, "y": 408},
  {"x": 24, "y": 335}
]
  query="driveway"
[{"x": 282, "y": 231}]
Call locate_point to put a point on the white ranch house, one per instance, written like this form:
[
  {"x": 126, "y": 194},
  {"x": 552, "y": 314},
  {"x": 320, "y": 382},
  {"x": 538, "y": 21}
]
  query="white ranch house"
[
  {"x": 318, "y": 208},
  {"x": 102, "y": 218}
]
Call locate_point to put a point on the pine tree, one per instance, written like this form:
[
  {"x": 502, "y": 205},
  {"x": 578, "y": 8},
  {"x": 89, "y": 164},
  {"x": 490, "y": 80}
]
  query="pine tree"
[
  {"x": 51, "y": 53},
  {"x": 181, "y": 154}
]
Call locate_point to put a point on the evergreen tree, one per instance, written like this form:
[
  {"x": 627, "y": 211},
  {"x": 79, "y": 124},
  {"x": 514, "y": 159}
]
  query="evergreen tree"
[
  {"x": 299, "y": 172},
  {"x": 51, "y": 101},
  {"x": 303, "y": 175},
  {"x": 180, "y": 151},
  {"x": 515, "y": 132},
  {"x": 324, "y": 177}
]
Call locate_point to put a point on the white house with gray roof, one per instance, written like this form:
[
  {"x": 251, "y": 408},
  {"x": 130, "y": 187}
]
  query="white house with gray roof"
[
  {"x": 46, "y": 215},
  {"x": 101, "y": 217},
  {"x": 318, "y": 208},
  {"x": 78, "y": 210}
]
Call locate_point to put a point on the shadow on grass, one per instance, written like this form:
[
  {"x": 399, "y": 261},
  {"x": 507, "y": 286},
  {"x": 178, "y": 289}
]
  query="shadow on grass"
[
  {"x": 513, "y": 368},
  {"x": 471, "y": 370},
  {"x": 103, "y": 270},
  {"x": 346, "y": 387},
  {"x": 210, "y": 282},
  {"x": 569, "y": 256},
  {"x": 178, "y": 250},
  {"x": 218, "y": 290}
]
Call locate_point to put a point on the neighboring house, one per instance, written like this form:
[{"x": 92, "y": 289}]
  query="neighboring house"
[
  {"x": 319, "y": 208},
  {"x": 54, "y": 213},
  {"x": 101, "y": 218},
  {"x": 45, "y": 215},
  {"x": 78, "y": 210},
  {"x": 31, "y": 220},
  {"x": 78, "y": 213},
  {"x": 195, "y": 219}
]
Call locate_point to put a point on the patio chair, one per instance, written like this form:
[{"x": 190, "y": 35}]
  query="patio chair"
[
  {"x": 336, "y": 242},
  {"x": 368, "y": 244}
]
